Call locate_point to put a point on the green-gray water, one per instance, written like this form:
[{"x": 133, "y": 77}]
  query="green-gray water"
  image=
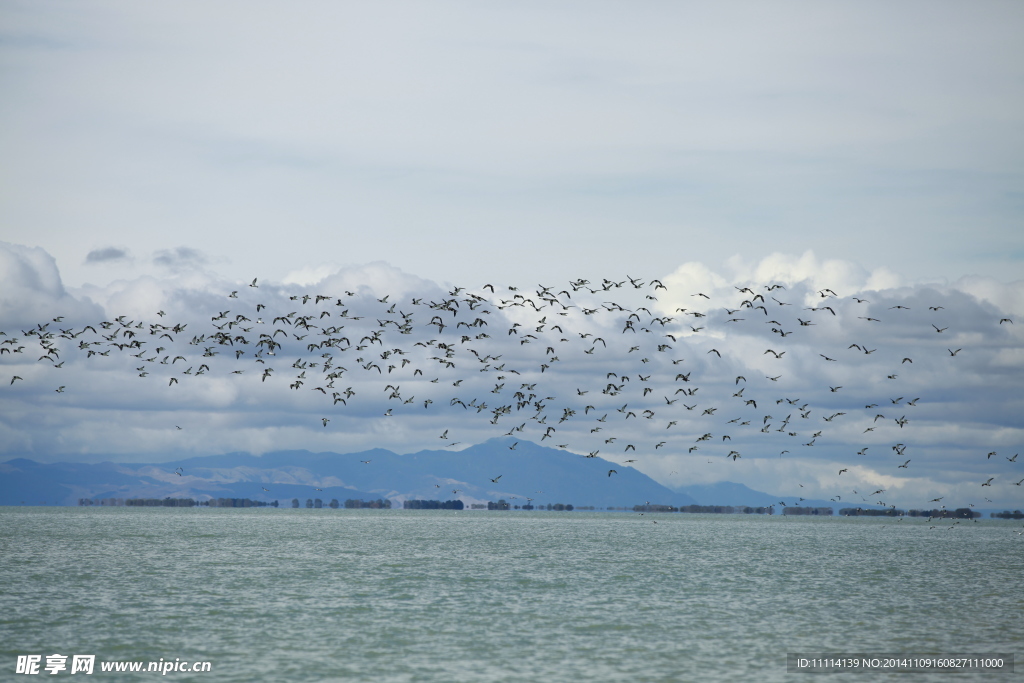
[{"x": 393, "y": 595}]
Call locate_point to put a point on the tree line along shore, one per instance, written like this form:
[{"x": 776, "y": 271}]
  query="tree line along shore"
[{"x": 413, "y": 504}]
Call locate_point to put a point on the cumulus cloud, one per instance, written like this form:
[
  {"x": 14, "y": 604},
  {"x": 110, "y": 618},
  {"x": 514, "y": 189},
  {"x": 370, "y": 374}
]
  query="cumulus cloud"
[
  {"x": 378, "y": 277},
  {"x": 819, "y": 274},
  {"x": 1006, "y": 297},
  {"x": 31, "y": 288},
  {"x": 812, "y": 274}
]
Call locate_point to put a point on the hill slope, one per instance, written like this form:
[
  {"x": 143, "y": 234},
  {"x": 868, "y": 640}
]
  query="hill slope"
[{"x": 523, "y": 470}]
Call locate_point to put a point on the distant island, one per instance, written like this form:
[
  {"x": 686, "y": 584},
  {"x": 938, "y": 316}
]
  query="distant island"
[
  {"x": 959, "y": 513},
  {"x": 502, "y": 504},
  {"x": 382, "y": 479},
  {"x": 177, "y": 502}
]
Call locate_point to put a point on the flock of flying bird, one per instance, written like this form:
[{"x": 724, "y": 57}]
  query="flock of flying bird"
[{"x": 643, "y": 382}]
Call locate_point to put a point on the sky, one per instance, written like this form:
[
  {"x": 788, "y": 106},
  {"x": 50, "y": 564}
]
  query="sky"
[{"x": 159, "y": 157}]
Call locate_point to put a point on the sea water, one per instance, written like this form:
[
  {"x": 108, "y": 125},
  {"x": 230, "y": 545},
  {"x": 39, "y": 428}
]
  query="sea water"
[{"x": 396, "y": 595}]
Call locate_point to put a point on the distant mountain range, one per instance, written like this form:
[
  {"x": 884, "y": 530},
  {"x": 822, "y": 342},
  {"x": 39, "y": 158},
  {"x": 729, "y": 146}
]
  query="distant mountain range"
[{"x": 500, "y": 468}]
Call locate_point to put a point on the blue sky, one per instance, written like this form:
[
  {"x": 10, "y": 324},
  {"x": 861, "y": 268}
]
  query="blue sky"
[{"x": 160, "y": 156}]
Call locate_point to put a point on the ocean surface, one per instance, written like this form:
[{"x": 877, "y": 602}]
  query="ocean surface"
[{"x": 396, "y": 595}]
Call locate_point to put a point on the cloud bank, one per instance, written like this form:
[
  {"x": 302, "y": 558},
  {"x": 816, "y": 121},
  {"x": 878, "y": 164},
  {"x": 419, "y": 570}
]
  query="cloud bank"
[{"x": 810, "y": 377}]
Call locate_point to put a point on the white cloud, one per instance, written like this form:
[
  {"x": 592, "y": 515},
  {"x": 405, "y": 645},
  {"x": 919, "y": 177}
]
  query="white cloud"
[
  {"x": 378, "y": 278},
  {"x": 1006, "y": 297},
  {"x": 31, "y": 290}
]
